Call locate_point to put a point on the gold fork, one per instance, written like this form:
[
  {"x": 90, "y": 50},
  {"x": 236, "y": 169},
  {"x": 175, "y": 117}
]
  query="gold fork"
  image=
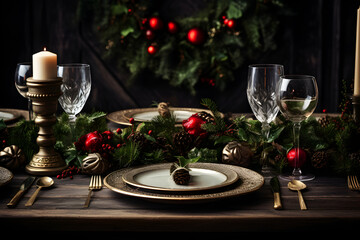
[
  {"x": 353, "y": 183},
  {"x": 95, "y": 184}
]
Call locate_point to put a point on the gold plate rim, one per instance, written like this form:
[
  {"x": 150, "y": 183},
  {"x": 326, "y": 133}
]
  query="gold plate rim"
[
  {"x": 230, "y": 174},
  {"x": 249, "y": 181}
]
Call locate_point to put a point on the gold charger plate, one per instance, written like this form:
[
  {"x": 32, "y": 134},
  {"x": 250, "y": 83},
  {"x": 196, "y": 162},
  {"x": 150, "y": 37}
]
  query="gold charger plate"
[
  {"x": 249, "y": 181},
  {"x": 203, "y": 177},
  {"x": 123, "y": 116}
]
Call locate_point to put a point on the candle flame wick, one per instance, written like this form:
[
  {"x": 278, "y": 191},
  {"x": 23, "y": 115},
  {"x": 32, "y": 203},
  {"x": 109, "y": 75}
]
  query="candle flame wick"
[{"x": 44, "y": 48}]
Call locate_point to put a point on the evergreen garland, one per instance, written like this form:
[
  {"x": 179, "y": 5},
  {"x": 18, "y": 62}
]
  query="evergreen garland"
[
  {"x": 333, "y": 140},
  {"x": 123, "y": 26}
]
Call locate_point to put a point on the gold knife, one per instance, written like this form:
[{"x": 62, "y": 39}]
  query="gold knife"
[
  {"x": 26, "y": 184},
  {"x": 275, "y": 187}
]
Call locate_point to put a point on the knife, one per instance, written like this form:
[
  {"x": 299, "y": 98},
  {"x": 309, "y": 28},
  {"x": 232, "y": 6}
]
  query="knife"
[
  {"x": 275, "y": 187},
  {"x": 26, "y": 184}
]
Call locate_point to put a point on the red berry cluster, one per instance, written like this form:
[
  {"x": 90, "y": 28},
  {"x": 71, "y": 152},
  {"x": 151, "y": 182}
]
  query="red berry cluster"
[
  {"x": 209, "y": 81},
  {"x": 230, "y": 23},
  {"x": 69, "y": 172}
]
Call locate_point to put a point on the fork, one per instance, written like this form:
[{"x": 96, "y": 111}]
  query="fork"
[
  {"x": 95, "y": 184},
  {"x": 353, "y": 183}
]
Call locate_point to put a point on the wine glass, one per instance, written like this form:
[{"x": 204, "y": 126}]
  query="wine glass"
[
  {"x": 297, "y": 97},
  {"x": 261, "y": 88},
  {"x": 75, "y": 88},
  {"x": 22, "y": 72}
]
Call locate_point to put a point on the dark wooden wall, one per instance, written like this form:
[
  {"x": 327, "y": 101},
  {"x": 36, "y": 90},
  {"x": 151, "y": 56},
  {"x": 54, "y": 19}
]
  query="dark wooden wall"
[{"x": 319, "y": 39}]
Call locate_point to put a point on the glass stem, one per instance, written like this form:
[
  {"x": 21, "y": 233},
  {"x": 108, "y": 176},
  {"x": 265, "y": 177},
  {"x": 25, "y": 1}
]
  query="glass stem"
[
  {"x": 265, "y": 131},
  {"x": 296, "y": 130},
  {"x": 30, "y": 109}
]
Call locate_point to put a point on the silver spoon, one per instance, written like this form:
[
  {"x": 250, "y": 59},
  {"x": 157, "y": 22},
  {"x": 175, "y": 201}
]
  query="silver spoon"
[
  {"x": 297, "y": 185},
  {"x": 42, "y": 182}
]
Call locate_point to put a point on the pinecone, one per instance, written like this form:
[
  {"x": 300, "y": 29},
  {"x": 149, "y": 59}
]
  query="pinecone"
[
  {"x": 319, "y": 159},
  {"x": 355, "y": 158},
  {"x": 207, "y": 117},
  {"x": 181, "y": 176},
  {"x": 324, "y": 121},
  {"x": 139, "y": 139},
  {"x": 182, "y": 141}
]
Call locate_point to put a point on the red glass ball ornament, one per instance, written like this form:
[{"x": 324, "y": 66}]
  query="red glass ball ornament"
[
  {"x": 196, "y": 36},
  {"x": 149, "y": 34},
  {"x": 155, "y": 23},
  {"x": 291, "y": 156},
  {"x": 152, "y": 50},
  {"x": 193, "y": 125},
  {"x": 230, "y": 23},
  {"x": 93, "y": 141},
  {"x": 172, "y": 27}
]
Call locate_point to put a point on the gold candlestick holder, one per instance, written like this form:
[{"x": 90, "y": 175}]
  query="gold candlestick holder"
[
  {"x": 356, "y": 108},
  {"x": 44, "y": 95}
]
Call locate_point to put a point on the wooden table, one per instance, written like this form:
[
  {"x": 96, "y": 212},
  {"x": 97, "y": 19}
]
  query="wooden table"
[{"x": 332, "y": 207}]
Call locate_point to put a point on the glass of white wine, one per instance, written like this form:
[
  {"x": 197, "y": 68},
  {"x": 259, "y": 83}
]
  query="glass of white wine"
[{"x": 297, "y": 97}]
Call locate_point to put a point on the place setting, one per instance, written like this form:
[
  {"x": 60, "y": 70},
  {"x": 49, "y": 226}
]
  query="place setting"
[{"x": 208, "y": 182}]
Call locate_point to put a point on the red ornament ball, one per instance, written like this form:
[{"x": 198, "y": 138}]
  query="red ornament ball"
[
  {"x": 193, "y": 125},
  {"x": 291, "y": 157},
  {"x": 152, "y": 50},
  {"x": 172, "y": 27},
  {"x": 90, "y": 142},
  {"x": 155, "y": 23},
  {"x": 196, "y": 36},
  {"x": 230, "y": 24}
]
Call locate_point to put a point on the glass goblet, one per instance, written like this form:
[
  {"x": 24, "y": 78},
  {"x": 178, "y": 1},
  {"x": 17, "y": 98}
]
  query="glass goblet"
[
  {"x": 22, "y": 72},
  {"x": 75, "y": 88},
  {"x": 297, "y": 97},
  {"x": 261, "y": 88}
]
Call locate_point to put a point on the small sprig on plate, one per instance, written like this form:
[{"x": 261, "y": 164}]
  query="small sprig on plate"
[{"x": 180, "y": 172}]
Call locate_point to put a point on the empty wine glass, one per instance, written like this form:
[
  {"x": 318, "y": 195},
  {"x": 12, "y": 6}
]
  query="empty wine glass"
[
  {"x": 297, "y": 97},
  {"x": 262, "y": 81},
  {"x": 75, "y": 88},
  {"x": 22, "y": 72}
]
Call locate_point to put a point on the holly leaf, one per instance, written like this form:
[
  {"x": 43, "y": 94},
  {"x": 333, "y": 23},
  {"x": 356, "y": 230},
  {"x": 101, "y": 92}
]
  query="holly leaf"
[
  {"x": 275, "y": 133},
  {"x": 2, "y": 124},
  {"x": 235, "y": 9},
  {"x": 183, "y": 162},
  {"x": 126, "y": 31}
]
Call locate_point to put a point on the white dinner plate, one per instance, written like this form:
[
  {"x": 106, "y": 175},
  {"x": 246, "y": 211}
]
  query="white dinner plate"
[{"x": 203, "y": 177}]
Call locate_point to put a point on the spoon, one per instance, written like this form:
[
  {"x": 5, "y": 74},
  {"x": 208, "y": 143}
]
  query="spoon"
[
  {"x": 42, "y": 182},
  {"x": 297, "y": 185}
]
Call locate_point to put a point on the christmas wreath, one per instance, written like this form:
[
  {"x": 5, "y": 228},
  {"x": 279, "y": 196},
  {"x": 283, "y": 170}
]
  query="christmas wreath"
[
  {"x": 329, "y": 145},
  {"x": 205, "y": 47}
]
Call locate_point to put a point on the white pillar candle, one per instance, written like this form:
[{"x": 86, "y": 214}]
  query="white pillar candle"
[
  {"x": 44, "y": 65},
  {"x": 357, "y": 57}
]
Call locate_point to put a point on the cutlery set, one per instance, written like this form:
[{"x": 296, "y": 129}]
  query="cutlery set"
[
  {"x": 44, "y": 182},
  {"x": 293, "y": 185},
  {"x": 96, "y": 184}
]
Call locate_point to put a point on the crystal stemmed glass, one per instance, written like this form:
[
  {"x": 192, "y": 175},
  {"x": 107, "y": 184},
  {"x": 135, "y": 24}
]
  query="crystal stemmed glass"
[
  {"x": 261, "y": 88},
  {"x": 22, "y": 72},
  {"x": 75, "y": 88},
  {"x": 297, "y": 97}
]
